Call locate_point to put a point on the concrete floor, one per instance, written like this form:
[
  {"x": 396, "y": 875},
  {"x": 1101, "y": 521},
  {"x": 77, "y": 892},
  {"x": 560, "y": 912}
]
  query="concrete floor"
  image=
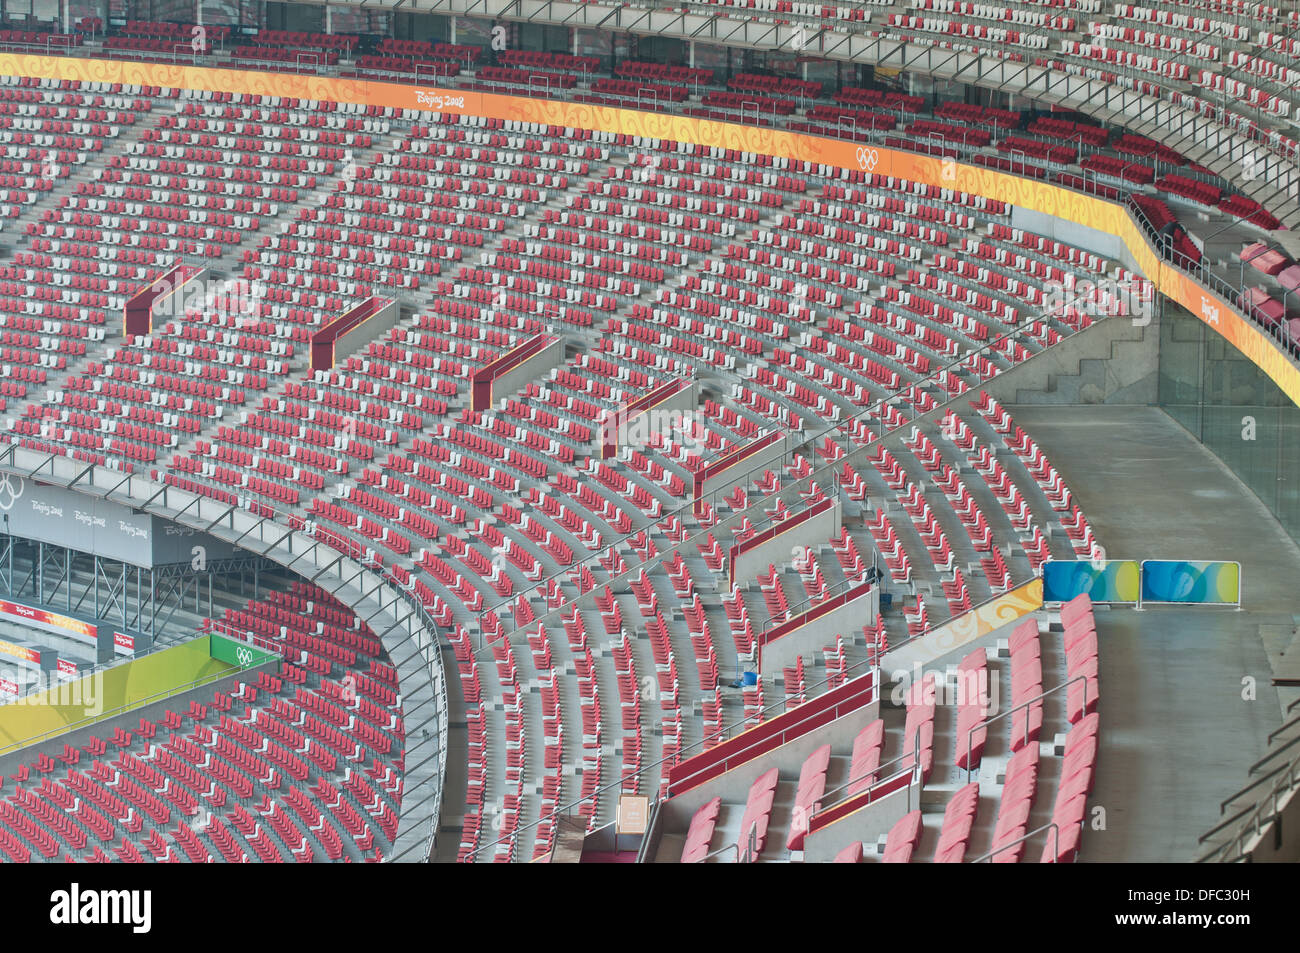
[{"x": 1177, "y": 736}]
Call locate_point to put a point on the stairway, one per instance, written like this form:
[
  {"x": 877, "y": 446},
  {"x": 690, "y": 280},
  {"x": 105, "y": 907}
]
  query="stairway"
[{"x": 1113, "y": 361}]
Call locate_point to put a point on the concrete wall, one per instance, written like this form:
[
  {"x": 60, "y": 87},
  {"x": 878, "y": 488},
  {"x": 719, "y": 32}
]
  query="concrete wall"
[
  {"x": 866, "y": 824},
  {"x": 371, "y": 330},
  {"x": 733, "y": 787},
  {"x": 812, "y": 532},
  {"x": 664, "y": 419},
  {"x": 533, "y": 369},
  {"x": 1115, "y": 361},
  {"x": 1279, "y": 842},
  {"x": 820, "y": 632},
  {"x": 1071, "y": 233},
  {"x": 952, "y": 640},
  {"x": 764, "y": 459}
]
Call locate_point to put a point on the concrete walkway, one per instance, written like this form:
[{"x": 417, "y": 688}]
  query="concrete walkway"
[{"x": 1177, "y": 735}]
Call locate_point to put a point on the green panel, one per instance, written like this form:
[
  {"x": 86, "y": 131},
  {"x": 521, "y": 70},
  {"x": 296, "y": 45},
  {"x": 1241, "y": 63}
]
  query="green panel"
[{"x": 234, "y": 652}]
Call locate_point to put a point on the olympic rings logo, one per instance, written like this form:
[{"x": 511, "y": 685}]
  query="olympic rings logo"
[{"x": 9, "y": 492}]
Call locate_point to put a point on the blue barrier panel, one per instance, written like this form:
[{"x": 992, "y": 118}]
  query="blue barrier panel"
[
  {"x": 1191, "y": 582},
  {"x": 1104, "y": 580}
]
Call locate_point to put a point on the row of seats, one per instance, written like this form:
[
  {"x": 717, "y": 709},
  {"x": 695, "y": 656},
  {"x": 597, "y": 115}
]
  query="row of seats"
[
  {"x": 246, "y": 776},
  {"x": 637, "y": 493}
]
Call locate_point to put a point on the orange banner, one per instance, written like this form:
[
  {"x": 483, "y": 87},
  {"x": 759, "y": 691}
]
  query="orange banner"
[
  {"x": 22, "y": 653},
  {"x": 1031, "y": 194}
]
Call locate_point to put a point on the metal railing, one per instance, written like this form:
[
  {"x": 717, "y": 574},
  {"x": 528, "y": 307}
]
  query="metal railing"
[
  {"x": 1234, "y": 295},
  {"x": 992, "y": 67},
  {"x": 851, "y": 671},
  {"x": 904, "y": 397},
  {"x": 1291, "y": 154},
  {"x": 874, "y": 777},
  {"x": 746, "y": 753},
  {"x": 1265, "y": 811},
  {"x": 713, "y": 739},
  {"x": 984, "y": 725},
  {"x": 751, "y": 848},
  {"x": 1051, "y": 825},
  {"x": 349, "y": 547}
]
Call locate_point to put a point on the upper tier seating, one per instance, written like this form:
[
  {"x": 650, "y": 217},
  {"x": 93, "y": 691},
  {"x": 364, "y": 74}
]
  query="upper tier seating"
[{"x": 1231, "y": 64}]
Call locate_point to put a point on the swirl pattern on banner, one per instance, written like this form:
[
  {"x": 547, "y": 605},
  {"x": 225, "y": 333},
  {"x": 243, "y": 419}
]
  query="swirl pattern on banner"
[
  {"x": 1033, "y": 194},
  {"x": 980, "y": 621}
]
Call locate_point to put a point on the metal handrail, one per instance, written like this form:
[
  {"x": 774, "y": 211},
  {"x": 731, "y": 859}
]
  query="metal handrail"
[
  {"x": 1257, "y": 821},
  {"x": 1050, "y": 825},
  {"x": 1217, "y": 115},
  {"x": 819, "y": 805},
  {"x": 916, "y": 779},
  {"x": 743, "y": 753},
  {"x": 734, "y": 847},
  {"x": 796, "y": 609},
  {"x": 983, "y": 725},
  {"x": 1283, "y": 727},
  {"x": 1190, "y": 267},
  {"x": 1262, "y": 779},
  {"x": 897, "y": 399},
  {"x": 1228, "y": 821},
  {"x": 567, "y": 809},
  {"x": 869, "y": 662},
  {"x": 244, "y": 635},
  {"x": 751, "y": 847}
]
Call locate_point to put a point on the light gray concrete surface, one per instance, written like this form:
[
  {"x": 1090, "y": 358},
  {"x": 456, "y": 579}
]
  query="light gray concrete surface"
[
  {"x": 1177, "y": 736},
  {"x": 1114, "y": 361}
]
